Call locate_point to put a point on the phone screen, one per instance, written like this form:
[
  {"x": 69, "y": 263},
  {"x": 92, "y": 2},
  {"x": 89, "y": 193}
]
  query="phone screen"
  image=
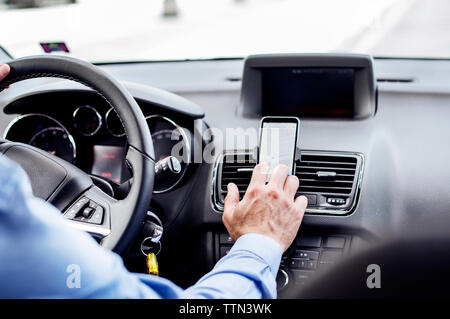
[{"x": 278, "y": 144}]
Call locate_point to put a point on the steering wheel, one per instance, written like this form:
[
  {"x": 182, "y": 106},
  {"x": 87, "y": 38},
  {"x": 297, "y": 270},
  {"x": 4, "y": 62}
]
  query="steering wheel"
[{"x": 116, "y": 222}]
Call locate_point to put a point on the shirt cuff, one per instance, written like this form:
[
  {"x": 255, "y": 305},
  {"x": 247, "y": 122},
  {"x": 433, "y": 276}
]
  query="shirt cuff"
[{"x": 264, "y": 247}]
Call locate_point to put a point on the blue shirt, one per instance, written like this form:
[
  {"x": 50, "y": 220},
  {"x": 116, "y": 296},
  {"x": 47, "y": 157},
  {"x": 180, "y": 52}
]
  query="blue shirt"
[{"x": 41, "y": 256}]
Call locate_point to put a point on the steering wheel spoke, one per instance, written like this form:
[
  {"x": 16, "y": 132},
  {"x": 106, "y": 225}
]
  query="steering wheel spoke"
[{"x": 91, "y": 212}]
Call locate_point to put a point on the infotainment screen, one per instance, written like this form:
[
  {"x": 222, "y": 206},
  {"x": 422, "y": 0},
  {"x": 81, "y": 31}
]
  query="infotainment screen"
[{"x": 308, "y": 92}]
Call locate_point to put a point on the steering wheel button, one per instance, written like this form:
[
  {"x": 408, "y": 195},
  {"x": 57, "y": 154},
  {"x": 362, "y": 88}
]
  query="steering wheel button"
[
  {"x": 93, "y": 205},
  {"x": 80, "y": 204},
  {"x": 97, "y": 217},
  {"x": 74, "y": 211},
  {"x": 71, "y": 213},
  {"x": 87, "y": 212},
  {"x": 83, "y": 201}
]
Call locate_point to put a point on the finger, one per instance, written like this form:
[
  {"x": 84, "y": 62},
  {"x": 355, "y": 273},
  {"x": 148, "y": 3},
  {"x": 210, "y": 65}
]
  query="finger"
[
  {"x": 300, "y": 203},
  {"x": 4, "y": 71},
  {"x": 230, "y": 202},
  {"x": 279, "y": 175},
  {"x": 291, "y": 186},
  {"x": 259, "y": 175}
]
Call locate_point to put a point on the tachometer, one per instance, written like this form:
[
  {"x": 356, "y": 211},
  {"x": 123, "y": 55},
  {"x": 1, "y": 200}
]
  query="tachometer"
[{"x": 56, "y": 141}]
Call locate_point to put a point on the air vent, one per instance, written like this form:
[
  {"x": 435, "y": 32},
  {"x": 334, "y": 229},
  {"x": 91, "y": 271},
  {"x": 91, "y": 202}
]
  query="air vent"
[
  {"x": 330, "y": 180},
  {"x": 236, "y": 169},
  {"x": 234, "y": 79},
  {"x": 333, "y": 175}
]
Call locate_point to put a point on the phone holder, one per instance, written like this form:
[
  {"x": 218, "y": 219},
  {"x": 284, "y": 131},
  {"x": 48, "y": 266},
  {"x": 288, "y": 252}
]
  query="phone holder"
[{"x": 298, "y": 153}]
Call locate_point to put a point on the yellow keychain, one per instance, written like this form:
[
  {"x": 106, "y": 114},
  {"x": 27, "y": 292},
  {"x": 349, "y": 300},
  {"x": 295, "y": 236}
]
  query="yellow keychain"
[
  {"x": 148, "y": 246},
  {"x": 152, "y": 264}
]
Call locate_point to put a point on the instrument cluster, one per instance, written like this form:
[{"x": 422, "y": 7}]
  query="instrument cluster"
[{"x": 95, "y": 141}]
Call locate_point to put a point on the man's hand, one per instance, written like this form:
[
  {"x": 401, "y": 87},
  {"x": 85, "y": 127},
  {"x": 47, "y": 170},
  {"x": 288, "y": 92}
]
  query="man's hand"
[
  {"x": 268, "y": 210},
  {"x": 4, "y": 71}
]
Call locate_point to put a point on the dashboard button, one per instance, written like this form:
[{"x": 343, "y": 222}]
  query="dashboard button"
[
  {"x": 225, "y": 239},
  {"x": 307, "y": 254},
  {"x": 336, "y": 201},
  {"x": 298, "y": 263},
  {"x": 311, "y": 264},
  {"x": 224, "y": 250}
]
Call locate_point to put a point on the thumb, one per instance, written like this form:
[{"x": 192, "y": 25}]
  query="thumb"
[
  {"x": 4, "y": 70},
  {"x": 301, "y": 203},
  {"x": 231, "y": 200}
]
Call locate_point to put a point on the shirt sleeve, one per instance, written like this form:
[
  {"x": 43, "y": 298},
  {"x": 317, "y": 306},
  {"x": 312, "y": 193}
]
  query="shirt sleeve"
[
  {"x": 41, "y": 256},
  {"x": 249, "y": 270}
]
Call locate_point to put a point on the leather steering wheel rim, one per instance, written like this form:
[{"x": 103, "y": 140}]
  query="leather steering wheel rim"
[{"x": 131, "y": 211}]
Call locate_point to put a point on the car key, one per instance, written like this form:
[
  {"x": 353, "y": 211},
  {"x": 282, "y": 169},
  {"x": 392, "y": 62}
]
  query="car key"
[{"x": 148, "y": 246}]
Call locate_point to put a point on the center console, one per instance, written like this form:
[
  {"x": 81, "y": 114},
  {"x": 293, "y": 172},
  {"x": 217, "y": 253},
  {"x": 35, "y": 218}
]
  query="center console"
[
  {"x": 326, "y": 87},
  {"x": 308, "y": 254}
]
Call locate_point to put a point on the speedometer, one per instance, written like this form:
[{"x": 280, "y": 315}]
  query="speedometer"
[
  {"x": 44, "y": 132},
  {"x": 56, "y": 141},
  {"x": 169, "y": 139}
]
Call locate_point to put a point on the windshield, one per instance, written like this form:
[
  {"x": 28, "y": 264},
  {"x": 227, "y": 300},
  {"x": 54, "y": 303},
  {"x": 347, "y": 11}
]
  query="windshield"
[{"x": 119, "y": 30}]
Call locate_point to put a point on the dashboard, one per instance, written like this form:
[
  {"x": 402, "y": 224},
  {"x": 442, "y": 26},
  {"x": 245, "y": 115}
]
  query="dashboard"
[{"x": 392, "y": 156}]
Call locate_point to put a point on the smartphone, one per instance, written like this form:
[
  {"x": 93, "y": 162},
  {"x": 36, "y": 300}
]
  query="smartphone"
[{"x": 278, "y": 141}]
